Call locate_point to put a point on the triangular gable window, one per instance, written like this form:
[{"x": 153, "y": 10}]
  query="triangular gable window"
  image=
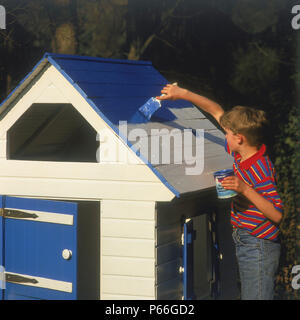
[{"x": 52, "y": 132}]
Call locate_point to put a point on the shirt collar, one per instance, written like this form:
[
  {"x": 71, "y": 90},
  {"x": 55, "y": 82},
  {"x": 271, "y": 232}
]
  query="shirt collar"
[{"x": 246, "y": 164}]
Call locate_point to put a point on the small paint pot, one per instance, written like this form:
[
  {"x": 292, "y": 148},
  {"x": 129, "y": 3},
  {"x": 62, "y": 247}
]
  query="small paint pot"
[{"x": 219, "y": 176}]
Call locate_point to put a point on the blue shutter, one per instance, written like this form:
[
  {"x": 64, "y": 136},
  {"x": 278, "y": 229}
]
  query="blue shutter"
[
  {"x": 36, "y": 233},
  {"x": 188, "y": 260}
]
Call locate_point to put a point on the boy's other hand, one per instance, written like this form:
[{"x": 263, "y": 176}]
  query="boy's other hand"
[
  {"x": 172, "y": 92},
  {"x": 234, "y": 183}
]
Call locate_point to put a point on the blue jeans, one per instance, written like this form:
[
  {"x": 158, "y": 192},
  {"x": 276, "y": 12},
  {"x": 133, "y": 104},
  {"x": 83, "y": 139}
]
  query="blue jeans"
[{"x": 258, "y": 261}]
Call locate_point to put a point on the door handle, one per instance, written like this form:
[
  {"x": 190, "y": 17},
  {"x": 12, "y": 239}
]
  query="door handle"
[{"x": 66, "y": 254}]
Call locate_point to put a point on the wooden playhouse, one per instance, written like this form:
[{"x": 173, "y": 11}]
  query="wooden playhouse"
[{"x": 86, "y": 213}]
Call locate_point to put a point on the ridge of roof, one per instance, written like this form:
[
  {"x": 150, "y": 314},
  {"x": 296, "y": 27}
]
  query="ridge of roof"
[{"x": 95, "y": 59}]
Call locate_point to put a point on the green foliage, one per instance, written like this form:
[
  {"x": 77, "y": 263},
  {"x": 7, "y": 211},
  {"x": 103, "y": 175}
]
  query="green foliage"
[
  {"x": 255, "y": 16},
  {"x": 256, "y": 68},
  {"x": 288, "y": 169},
  {"x": 102, "y": 26}
]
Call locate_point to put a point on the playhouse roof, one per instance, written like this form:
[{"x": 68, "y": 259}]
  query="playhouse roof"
[{"x": 116, "y": 89}]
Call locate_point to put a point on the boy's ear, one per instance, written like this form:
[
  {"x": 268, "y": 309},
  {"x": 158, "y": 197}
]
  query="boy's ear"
[{"x": 240, "y": 138}]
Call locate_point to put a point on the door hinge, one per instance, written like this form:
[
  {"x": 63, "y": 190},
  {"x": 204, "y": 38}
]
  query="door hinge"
[
  {"x": 18, "y": 214},
  {"x": 14, "y": 278}
]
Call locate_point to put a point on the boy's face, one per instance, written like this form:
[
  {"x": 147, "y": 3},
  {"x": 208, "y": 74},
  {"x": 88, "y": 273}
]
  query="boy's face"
[{"x": 234, "y": 140}]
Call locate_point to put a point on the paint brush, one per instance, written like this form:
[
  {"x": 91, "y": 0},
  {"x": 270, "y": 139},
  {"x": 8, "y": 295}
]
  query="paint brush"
[{"x": 151, "y": 106}]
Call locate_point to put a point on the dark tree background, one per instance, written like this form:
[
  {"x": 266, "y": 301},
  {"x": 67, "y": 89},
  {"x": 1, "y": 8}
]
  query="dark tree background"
[{"x": 234, "y": 51}]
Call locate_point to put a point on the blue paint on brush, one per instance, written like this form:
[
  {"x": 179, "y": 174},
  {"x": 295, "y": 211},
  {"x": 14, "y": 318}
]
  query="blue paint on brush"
[
  {"x": 150, "y": 107},
  {"x": 138, "y": 117}
]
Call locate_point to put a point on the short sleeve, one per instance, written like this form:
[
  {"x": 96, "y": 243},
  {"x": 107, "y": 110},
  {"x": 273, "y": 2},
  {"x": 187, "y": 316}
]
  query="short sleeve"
[{"x": 267, "y": 188}]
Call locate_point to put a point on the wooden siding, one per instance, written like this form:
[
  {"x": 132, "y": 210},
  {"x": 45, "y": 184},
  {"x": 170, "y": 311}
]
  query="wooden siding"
[
  {"x": 127, "y": 249},
  {"x": 106, "y": 296},
  {"x": 3, "y": 146},
  {"x": 129, "y": 286},
  {"x": 141, "y": 249},
  {"x": 168, "y": 254},
  {"x": 170, "y": 217},
  {"x": 73, "y": 170},
  {"x": 83, "y": 189}
]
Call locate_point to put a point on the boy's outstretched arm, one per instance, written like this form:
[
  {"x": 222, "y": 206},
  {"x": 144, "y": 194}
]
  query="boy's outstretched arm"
[{"x": 174, "y": 92}]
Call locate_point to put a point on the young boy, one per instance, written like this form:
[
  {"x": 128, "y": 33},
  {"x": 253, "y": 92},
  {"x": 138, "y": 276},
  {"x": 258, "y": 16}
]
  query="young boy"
[{"x": 257, "y": 209}]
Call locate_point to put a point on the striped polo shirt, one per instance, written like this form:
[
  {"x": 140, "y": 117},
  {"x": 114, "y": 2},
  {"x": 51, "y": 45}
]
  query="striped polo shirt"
[{"x": 259, "y": 173}]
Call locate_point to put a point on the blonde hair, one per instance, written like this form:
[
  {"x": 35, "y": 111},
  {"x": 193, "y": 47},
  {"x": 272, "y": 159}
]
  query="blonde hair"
[{"x": 247, "y": 121}]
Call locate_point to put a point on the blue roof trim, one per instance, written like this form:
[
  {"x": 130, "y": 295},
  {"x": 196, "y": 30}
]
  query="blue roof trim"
[
  {"x": 50, "y": 58},
  {"x": 87, "y": 58},
  {"x": 22, "y": 81}
]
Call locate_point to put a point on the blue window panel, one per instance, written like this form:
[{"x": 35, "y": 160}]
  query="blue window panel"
[
  {"x": 188, "y": 261},
  {"x": 35, "y": 248}
]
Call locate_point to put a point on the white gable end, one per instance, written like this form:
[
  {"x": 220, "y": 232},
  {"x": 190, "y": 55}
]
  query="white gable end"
[
  {"x": 51, "y": 94},
  {"x": 52, "y": 87},
  {"x": 115, "y": 176}
]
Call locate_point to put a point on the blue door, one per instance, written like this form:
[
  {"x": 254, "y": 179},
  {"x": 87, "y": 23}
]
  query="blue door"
[{"x": 38, "y": 249}]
